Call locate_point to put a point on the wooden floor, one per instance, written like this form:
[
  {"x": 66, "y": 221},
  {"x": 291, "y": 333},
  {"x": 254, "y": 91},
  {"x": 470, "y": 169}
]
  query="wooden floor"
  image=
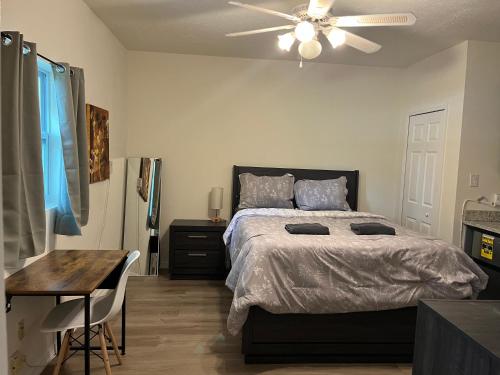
[{"x": 179, "y": 327}]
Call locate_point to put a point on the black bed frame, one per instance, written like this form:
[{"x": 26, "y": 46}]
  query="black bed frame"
[{"x": 373, "y": 336}]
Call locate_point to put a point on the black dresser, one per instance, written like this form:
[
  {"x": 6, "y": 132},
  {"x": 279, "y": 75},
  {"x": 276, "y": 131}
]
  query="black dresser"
[
  {"x": 457, "y": 338},
  {"x": 197, "y": 250}
]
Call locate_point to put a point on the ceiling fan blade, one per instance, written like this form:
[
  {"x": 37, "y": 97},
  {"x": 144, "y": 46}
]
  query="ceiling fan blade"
[
  {"x": 391, "y": 19},
  {"x": 358, "y": 42},
  {"x": 319, "y": 8},
  {"x": 264, "y": 10},
  {"x": 260, "y": 31}
]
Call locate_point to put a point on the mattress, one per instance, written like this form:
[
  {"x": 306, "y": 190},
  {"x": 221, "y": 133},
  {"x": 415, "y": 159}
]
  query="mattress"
[{"x": 341, "y": 272}]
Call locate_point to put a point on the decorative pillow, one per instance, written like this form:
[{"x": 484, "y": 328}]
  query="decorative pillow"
[
  {"x": 266, "y": 191},
  {"x": 314, "y": 195}
]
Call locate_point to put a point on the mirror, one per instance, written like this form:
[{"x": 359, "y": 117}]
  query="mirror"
[{"x": 141, "y": 222}]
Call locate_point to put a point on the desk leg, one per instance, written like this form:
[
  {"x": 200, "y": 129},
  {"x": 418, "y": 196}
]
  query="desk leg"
[
  {"x": 87, "y": 334},
  {"x": 58, "y": 334},
  {"x": 124, "y": 322}
]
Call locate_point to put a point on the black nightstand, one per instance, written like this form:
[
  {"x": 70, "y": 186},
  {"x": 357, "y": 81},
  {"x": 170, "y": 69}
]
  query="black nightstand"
[{"x": 197, "y": 250}]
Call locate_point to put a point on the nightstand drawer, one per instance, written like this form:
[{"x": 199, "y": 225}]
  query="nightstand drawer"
[
  {"x": 199, "y": 258},
  {"x": 197, "y": 240}
]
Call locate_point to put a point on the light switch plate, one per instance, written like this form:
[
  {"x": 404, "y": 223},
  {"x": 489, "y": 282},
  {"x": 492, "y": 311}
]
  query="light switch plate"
[{"x": 474, "y": 180}]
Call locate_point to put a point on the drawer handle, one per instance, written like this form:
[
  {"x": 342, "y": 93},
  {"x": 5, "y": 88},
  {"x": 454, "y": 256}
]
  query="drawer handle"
[
  {"x": 197, "y": 254},
  {"x": 197, "y": 236}
]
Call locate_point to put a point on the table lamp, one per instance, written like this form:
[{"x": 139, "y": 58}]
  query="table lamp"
[{"x": 216, "y": 202}]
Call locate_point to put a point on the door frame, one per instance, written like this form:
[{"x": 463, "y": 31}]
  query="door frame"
[{"x": 406, "y": 131}]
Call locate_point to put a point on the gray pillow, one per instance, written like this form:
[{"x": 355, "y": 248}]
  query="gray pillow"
[
  {"x": 266, "y": 191},
  {"x": 313, "y": 195}
]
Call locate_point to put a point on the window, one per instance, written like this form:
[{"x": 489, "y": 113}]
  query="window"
[
  {"x": 43, "y": 96},
  {"x": 51, "y": 144}
]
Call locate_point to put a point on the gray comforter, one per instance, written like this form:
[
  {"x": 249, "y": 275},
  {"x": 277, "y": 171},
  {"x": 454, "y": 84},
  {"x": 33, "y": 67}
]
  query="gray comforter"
[{"x": 342, "y": 272}]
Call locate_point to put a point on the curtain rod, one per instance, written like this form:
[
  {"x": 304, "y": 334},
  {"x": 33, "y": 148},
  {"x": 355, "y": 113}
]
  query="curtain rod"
[{"x": 7, "y": 40}]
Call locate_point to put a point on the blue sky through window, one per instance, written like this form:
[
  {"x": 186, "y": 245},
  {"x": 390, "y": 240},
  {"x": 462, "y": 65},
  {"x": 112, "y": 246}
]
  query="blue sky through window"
[{"x": 51, "y": 144}]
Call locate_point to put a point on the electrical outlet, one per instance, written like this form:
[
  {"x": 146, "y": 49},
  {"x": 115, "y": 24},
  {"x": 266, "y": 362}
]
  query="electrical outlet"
[
  {"x": 17, "y": 362},
  {"x": 474, "y": 180},
  {"x": 20, "y": 329}
]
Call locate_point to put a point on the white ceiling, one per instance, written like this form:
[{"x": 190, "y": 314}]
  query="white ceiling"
[{"x": 199, "y": 27}]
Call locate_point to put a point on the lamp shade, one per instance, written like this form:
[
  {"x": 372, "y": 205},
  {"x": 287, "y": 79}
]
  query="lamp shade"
[
  {"x": 285, "y": 41},
  {"x": 336, "y": 37},
  {"x": 216, "y": 198}
]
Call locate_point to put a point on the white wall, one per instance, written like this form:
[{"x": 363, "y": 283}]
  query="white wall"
[
  {"x": 480, "y": 143},
  {"x": 3, "y": 330},
  {"x": 67, "y": 30},
  {"x": 203, "y": 114},
  {"x": 437, "y": 82},
  {"x": 464, "y": 79}
]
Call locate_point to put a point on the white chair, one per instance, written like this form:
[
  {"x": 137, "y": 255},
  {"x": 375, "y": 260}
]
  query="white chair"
[{"x": 69, "y": 316}]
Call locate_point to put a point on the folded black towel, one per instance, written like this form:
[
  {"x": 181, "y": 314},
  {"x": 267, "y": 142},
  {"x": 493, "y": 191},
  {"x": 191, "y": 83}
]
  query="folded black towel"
[
  {"x": 307, "y": 228},
  {"x": 372, "y": 228}
]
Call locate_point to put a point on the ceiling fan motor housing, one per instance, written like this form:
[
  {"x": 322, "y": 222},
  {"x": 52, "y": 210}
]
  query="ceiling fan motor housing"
[{"x": 300, "y": 11}]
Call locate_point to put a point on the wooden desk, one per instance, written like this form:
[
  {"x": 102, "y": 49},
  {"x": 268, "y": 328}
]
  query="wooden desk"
[{"x": 70, "y": 273}]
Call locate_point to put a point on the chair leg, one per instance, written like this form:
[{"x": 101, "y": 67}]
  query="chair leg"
[
  {"x": 62, "y": 353},
  {"x": 70, "y": 333},
  {"x": 107, "y": 326},
  {"x": 104, "y": 350}
]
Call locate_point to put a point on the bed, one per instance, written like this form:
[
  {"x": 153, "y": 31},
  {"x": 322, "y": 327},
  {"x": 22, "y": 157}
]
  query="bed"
[{"x": 273, "y": 335}]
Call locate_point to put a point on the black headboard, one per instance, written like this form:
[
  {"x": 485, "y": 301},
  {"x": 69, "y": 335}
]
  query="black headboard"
[{"x": 300, "y": 174}]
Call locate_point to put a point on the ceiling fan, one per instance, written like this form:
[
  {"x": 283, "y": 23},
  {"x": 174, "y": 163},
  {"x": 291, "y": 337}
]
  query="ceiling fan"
[{"x": 311, "y": 20}]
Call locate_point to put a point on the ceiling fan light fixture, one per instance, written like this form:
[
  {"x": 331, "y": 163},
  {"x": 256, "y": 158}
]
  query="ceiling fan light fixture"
[
  {"x": 305, "y": 31},
  {"x": 307, "y": 21},
  {"x": 310, "y": 50},
  {"x": 336, "y": 37},
  {"x": 285, "y": 41}
]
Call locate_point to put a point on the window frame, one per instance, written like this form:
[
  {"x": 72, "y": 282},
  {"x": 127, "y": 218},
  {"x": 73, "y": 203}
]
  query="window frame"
[{"x": 51, "y": 144}]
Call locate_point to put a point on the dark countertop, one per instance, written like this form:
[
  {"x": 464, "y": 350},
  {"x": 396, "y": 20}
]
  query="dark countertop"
[{"x": 491, "y": 226}]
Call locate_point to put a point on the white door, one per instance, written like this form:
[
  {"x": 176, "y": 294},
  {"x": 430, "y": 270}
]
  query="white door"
[{"x": 423, "y": 171}]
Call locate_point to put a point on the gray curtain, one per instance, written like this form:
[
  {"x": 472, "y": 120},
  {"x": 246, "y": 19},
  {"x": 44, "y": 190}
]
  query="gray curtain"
[
  {"x": 22, "y": 173},
  {"x": 73, "y": 209}
]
